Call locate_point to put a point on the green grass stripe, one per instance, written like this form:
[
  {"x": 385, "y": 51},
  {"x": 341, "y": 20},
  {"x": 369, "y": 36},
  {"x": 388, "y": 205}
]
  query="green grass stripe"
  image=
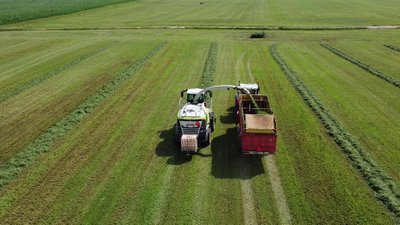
[
  {"x": 363, "y": 66},
  {"x": 210, "y": 66},
  {"x": 393, "y": 47},
  {"x": 382, "y": 185},
  {"x": 7, "y": 95},
  {"x": 30, "y": 10},
  {"x": 43, "y": 143}
]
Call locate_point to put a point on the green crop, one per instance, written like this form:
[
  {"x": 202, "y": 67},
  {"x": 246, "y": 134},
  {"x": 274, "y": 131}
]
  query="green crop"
[
  {"x": 43, "y": 143},
  {"x": 21, "y": 10},
  {"x": 363, "y": 66},
  {"x": 383, "y": 186}
]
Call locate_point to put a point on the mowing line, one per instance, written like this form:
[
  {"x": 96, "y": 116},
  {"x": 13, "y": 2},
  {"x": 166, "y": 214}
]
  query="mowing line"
[
  {"x": 43, "y": 143},
  {"x": 209, "y": 68},
  {"x": 247, "y": 197},
  {"x": 363, "y": 66},
  {"x": 273, "y": 174},
  {"x": 384, "y": 188},
  {"x": 237, "y": 66},
  {"x": 161, "y": 202},
  {"x": 206, "y": 80},
  {"x": 395, "y": 48},
  {"x": 249, "y": 72},
  {"x": 249, "y": 215},
  {"x": 5, "y": 96},
  {"x": 279, "y": 193}
]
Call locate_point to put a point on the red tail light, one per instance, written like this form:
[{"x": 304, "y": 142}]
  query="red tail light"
[{"x": 197, "y": 123}]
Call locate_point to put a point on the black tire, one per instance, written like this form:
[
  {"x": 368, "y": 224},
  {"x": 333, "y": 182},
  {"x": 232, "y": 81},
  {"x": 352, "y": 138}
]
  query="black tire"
[
  {"x": 212, "y": 121},
  {"x": 208, "y": 137},
  {"x": 178, "y": 135}
]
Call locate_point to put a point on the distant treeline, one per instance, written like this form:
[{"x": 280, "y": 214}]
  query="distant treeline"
[{"x": 14, "y": 11}]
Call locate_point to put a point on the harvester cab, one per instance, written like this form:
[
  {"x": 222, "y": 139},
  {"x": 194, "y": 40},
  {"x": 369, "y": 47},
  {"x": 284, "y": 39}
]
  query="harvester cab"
[{"x": 195, "y": 120}]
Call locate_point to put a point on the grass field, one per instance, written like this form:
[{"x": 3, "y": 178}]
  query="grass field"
[{"x": 87, "y": 116}]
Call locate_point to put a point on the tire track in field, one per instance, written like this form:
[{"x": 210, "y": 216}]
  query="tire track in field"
[
  {"x": 239, "y": 61},
  {"x": 273, "y": 174},
  {"x": 249, "y": 72},
  {"x": 277, "y": 189},
  {"x": 201, "y": 185},
  {"x": 24, "y": 87},
  {"x": 382, "y": 184},
  {"x": 395, "y": 48},
  {"x": 249, "y": 215},
  {"x": 44, "y": 142},
  {"x": 363, "y": 66}
]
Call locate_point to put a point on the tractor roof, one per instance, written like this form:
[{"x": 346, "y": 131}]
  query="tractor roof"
[{"x": 194, "y": 90}]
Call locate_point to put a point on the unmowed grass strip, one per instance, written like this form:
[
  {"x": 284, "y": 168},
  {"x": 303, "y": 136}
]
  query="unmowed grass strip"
[
  {"x": 363, "y": 66},
  {"x": 383, "y": 186},
  {"x": 7, "y": 95},
  {"x": 14, "y": 11},
  {"x": 43, "y": 143},
  {"x": 393, "y": 47},
  {"x": 210, "y": 66}
]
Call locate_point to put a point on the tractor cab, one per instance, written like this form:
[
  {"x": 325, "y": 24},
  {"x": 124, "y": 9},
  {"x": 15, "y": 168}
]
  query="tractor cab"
[{"x": 189, "y": 95}]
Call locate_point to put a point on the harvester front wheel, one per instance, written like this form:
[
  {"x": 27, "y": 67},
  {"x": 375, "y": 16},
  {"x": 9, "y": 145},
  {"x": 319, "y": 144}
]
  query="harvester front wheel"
[{"x": 178, "y": 134}]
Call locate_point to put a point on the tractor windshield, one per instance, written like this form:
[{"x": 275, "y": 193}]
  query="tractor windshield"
[{"x": 190, "y": 98}]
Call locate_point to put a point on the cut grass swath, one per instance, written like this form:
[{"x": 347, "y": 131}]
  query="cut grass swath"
[
  {"x": 383, "y": 186},
  {"x": 210, "y": 66},
  {"x": 393, "y": 47},
  {"x": 43, "y": 143},
  {"x": 363, "y": 66},
  {"x": 24, "y": 87}
]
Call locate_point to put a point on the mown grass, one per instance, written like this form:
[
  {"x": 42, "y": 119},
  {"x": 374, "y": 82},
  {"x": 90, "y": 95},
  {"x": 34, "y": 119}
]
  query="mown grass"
[
  {"x": 5, "y": 96},
  {"x": 14, "y": 11},
  {"x": 383, "y": 186},
  {"x": 28, "y": 154},
  {"x": 280, "y": 14},
  {"x": 363, "y": 65}
]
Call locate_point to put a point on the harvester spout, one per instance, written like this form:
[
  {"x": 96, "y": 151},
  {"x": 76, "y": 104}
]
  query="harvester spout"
[{"x": 216, "y": 87}]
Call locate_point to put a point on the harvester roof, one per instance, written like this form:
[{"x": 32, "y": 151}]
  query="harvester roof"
[{"x": 194, "y": 90}]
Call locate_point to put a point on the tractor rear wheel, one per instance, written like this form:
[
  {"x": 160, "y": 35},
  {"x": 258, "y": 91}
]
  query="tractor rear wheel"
[{"x": 212, "y": 121}]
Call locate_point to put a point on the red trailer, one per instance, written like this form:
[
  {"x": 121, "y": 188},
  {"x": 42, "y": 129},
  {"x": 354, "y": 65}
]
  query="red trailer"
[{"x": 256, "y": 124}]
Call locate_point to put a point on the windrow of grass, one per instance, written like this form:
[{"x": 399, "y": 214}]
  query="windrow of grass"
[
  {"x": 383, "y": 186},
  {"x": 44, "y": 142},
  {"x": 363, "y": 65},
  {"x": 9, "y": 94},
  {"x": 210, "y": 66},
  {"x": 393, "y": 47}
]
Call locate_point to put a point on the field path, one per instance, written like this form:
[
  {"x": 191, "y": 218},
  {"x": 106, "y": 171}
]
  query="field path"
[
  {"x": 247, "y": 197},
  {"x": 279, "y": 194}
]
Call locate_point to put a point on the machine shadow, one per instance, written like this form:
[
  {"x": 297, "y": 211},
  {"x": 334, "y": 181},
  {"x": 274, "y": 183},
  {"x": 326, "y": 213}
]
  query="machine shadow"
[
  {"x": 227, "y": 160},
  {"x": 168, "y": 148}
]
